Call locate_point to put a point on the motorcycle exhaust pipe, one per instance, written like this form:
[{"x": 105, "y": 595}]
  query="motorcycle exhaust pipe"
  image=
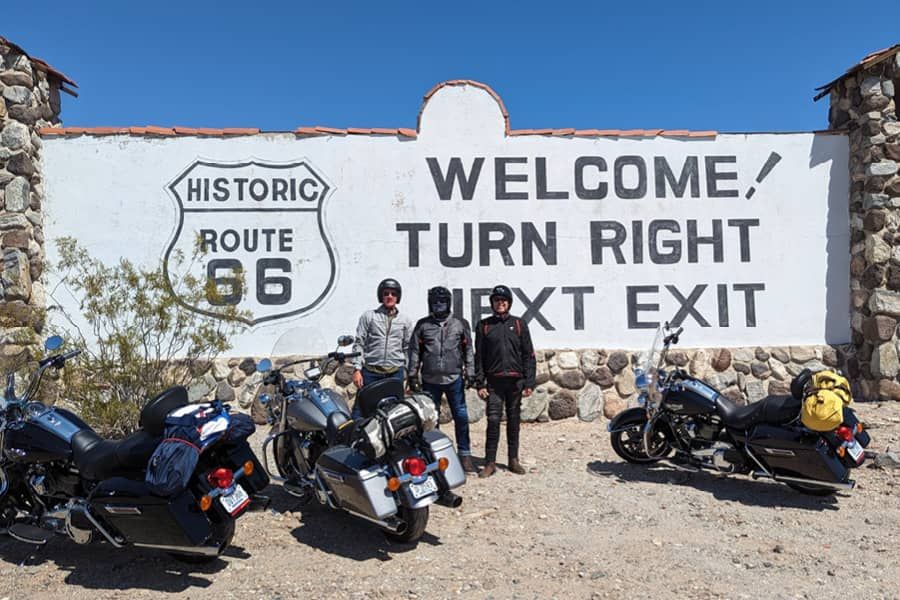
[
  {"x": 450, "y": 500},
  {"x": 394, "y": 525},
  {"x": 827, "y": 484}
]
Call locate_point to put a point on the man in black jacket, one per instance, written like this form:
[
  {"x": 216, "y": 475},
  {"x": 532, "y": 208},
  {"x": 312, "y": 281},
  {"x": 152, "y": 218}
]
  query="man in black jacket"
[
  {"x": 505, "y": 371},
  {"x": 441, "y": 350}
]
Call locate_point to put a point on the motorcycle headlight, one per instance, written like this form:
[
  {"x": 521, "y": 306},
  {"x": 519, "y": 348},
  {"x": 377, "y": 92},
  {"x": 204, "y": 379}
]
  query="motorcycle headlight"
[
  {"x": 641, "y": 381},
  {"x": 642, "y": 399}
]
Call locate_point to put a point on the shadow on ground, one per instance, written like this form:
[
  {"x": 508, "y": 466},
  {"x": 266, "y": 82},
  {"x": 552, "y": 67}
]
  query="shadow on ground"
[
  {"x": 100, "y": 566},
  {"x": 737, "y": 488},
  {"x": 338, "y": 533}
]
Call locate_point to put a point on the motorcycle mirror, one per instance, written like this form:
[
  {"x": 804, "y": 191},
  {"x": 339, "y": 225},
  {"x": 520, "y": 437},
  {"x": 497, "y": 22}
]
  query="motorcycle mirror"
[
  {"x": 264, "y": 366},
  {"x": 345, "y": 340},
  {"x": 53, "y": 342}
]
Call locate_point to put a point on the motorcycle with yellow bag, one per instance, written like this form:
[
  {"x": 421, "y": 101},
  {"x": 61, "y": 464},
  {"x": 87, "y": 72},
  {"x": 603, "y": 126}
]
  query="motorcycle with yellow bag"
[{"x": 809, "y": 440}]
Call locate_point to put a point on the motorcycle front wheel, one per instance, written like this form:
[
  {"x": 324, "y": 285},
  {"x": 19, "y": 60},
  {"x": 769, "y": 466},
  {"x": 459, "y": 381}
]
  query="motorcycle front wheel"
[
  {"x": 416, "y": 520},
  {"x": 629, "y": 444}
]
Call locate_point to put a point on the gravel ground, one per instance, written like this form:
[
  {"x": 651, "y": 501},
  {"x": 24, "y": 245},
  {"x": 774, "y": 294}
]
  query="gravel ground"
[{"x": 581, "y": 524}]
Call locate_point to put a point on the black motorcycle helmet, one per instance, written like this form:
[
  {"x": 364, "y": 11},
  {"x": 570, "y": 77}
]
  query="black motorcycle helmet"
[
  {"x": 390, "y": 284},
  {"x": 440, "y": 300},
  {"x": 501, "y": 291}
]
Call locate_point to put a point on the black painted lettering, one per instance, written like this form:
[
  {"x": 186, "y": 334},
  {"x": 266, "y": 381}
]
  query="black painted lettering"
[
  {"x": 229, "y": 240},
  {"x": 308, "y": 190},
  {"x": 264, "y": 283},
  {"x": 502, "y": 244},
  {"x": 251, "y": 239},
  {"x": 285, "y": 240},
  {"x": 715, "y": 240},
  {"x": 599, "y": 241},
  {"x": 462, "y": 260},
  {"x": 690, "y": 175},
  {"x": 455, "y": 175},
  {"x": 208, "y": 240},
  {"x": 259, "y": 189},
  {"x": 279, "y": 189},
  {"x": 640, "y": 189},
  {"x": 476, "y": 298},
  {"x": 268, "y": 233},
  {"x": 722, "y": 290},
  {"x": 240, "y": 181},
  {"x": 673, "y": 247},
  {"x": 714, "y": 176},
  {"x": 233, "y": 287},
  {"x": 540, "y": 165},
  {"x": 531, "y": 240},
  {"x": 533, "y": 307},
  {"x": 413, "y": 243},
  {"x": 634, "y": 307},
  {"x": 581, "y": 190},
  {"x": 749, "y": 290},
  {"x": 744, "y": 226},
  {"x": 220, "y": 189},
  {"x": 501, "y": 178},
  {"x": 578, "y": 294},
  {"x": 195, "y": 190},
  {"x": 687, "y": 305},
  {"x": 637, "y": 242}
]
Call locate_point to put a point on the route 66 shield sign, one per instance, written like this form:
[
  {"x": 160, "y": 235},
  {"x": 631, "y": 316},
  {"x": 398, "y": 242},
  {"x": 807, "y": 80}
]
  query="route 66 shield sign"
[{"x": 254, "y": 231}]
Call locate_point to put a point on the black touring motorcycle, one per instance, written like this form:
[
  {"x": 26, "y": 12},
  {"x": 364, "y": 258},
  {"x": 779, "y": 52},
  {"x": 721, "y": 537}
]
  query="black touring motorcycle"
[
  {"x": 57, "y": 476},
  {"x": 387, "y": 467},
  {"x": 705, "y": 430}
]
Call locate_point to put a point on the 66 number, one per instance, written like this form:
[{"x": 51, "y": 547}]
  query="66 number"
[{"x": 233, "y": 285}]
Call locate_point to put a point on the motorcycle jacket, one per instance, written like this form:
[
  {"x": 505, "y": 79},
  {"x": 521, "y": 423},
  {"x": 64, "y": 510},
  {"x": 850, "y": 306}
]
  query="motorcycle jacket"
[
  {"x": 442, "y": 349},
  {"x": 503, "y": 348},
  {"x": 383, "y": 340}
]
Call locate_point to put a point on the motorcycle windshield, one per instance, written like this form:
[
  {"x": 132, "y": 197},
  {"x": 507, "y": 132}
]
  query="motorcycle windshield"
[
  {"x": 16, "y": 379},
  {"x": 647, "y": 373},
  {"x": 291, "y": 342}
]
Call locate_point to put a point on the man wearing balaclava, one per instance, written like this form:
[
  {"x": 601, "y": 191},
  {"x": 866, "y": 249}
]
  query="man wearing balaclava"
[{"x": 441, "y": 351}]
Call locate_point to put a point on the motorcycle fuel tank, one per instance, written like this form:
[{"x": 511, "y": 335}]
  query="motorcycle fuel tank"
[
  {"x": 691, "y": 397},
  {"x": 310, "y": 410},
  {"x": 45, "y": 435}
]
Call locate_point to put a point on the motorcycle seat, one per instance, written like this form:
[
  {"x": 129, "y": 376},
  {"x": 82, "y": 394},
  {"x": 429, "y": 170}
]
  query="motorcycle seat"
[
  {"x": 370, "y": 396},
  {"x": 773, "y": 410},
  {"x": 99, "y": 459},
  {"x": 154, "y": 413}
]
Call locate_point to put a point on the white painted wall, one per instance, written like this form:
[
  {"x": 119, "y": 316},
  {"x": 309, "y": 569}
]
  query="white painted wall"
[{"x": 122, "y": 196}]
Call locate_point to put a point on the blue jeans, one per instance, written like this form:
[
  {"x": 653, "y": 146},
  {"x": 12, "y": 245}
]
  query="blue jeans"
[
  {"x": 369, "y": 377},
  {"x": 456, "y": 398}
]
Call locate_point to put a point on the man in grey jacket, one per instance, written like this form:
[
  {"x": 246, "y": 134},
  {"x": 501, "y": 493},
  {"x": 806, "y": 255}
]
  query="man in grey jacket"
[
  {"x": 382, "y": 337},
  {"x": 441, "y": 351}
]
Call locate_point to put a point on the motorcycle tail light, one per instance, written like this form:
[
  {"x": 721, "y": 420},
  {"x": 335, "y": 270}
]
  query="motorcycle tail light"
[
  {"x": 393, "y": 484},
  {"x": 841, "y": 451},
  {"x": 221, "y": 478},
  {"x": 248, "y": 468},
  {"x": 859, "y": 428},
  {"x": 844, "y": 433},
  {"x": 414, "y": 465},
  {"x": 443, "y": 463},
  {"x": 205, "y": 503}
]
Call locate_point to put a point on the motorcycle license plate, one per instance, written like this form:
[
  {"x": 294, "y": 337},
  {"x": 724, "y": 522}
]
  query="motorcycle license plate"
[
  {"x": 855, "y": 451},
  {"x": 235, "y": 501},
  {"x": 420, "y": 490}
]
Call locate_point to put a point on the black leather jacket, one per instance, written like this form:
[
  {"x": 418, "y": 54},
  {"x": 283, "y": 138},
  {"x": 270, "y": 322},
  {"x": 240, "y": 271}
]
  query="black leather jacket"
[{"x": 503, "y": 348}]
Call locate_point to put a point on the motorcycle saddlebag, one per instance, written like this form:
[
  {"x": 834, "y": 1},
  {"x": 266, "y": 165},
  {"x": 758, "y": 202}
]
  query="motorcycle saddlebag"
[
  {"x": 796, "y": 452},
  {"x": 237, "y": 454},
  {"x": 442, "y": 447},
  {"x": 358, "y": 484},
  {"x": 145, "y": 519}
]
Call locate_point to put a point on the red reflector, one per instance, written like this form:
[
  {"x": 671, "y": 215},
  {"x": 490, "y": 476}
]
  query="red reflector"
[
  {"x": 844, "y": 433},
  {"x": 414, "y": 466},
  {"x": 221, "y": 477}
]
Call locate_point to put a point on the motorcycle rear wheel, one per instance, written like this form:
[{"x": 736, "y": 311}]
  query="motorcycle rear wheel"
[
  {"x": 629, "y": 444},
  {"x": 416, "y": 520}
]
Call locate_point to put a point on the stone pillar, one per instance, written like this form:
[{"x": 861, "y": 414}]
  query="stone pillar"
[
  {"x": 862, "y": 103},
  {"x": 29, "y": 99}
]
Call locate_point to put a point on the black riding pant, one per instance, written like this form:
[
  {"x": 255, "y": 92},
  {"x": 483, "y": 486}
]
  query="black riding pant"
[{"x": 505, "y": 392}]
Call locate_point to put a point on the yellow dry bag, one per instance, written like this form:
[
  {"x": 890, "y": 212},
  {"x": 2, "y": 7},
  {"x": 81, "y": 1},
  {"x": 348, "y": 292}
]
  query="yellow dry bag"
[{"x": 823, "y": 404}]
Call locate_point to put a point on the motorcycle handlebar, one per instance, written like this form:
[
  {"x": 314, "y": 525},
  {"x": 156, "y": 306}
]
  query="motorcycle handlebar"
[{"x": 341, "y": 356}]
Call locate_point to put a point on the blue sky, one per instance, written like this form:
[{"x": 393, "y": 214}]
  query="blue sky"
[{"x": 727, "y": 66}]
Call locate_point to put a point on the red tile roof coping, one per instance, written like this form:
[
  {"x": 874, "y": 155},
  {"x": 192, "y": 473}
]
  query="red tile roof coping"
[
  {"x": 401, "y": 131},
  {"x": 41, "y": 64},
  {"x": 869, "y": 60}
]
